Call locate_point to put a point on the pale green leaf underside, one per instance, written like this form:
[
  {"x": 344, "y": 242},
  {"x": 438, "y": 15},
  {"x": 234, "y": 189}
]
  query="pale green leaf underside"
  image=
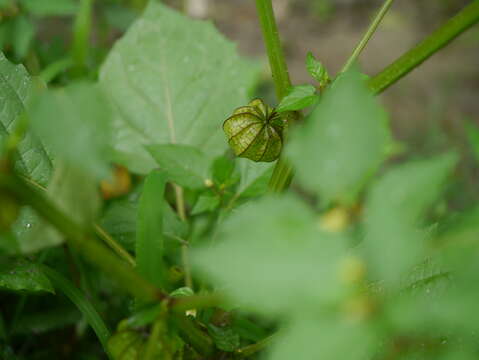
[
  {"x": 15, "y": 88},
  {"x": 172, "y": 80}
]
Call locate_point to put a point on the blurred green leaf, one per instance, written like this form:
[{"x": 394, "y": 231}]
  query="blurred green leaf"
[
  {"x": 343, "y": 142},
  {"x": 126, "y": 345},
  {"x": 24, "y": 276},
  {"x": 119, "y": 16},
  {"x": 46, "y": 320},
  {"x": 185, "y": 165},
  {"x": 473, "y": 138},
  {"x": 274, "y": 258},
  {"x": 222, "y": 171},
  {"x": 74, "y": 122},
  {"x": 158, "y": 77},
  {"x": 22, "y": 34},
  {"x": 205, "y": 203},
  {"x": 298, "y": 98},
  {"x": 225, "y": 339},
  {"x": 310, "y": 337},
  {"x": 16, "y": 88},
  {"x": 50, "y": 7},
  {"x": 182, "y": 292},
  {"x": 149, "y": 234},
  {"x": 394, "y": 209}
]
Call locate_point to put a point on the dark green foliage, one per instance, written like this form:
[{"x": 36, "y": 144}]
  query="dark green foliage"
[{"x": 364, "y": 257}]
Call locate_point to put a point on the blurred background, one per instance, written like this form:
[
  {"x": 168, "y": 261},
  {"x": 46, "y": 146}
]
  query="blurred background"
[{"x": 428, "y": 108}]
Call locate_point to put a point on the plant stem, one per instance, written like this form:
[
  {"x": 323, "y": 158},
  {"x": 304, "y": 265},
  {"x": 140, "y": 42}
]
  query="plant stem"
[
  {"x": 81, "y": 36},
  {"x": 444, "y": 35},
  {"x": 180, "y": 208},
  {"x": 81, "y": 239},
  {"x": 369, "y": 33},
  {"x": 100, "y": 232},
  {"x": 114, "y": 245},
  {"x": 466, "y": 18},
  {"x": 282, "y": 173},
  {"x": 272, "y": 41}
]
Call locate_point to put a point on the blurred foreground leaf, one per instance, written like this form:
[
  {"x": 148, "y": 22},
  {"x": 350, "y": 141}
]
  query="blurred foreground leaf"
[{"x": 343, "y": 142}]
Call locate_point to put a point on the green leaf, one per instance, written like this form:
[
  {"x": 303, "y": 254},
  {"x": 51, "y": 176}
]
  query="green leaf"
[
  {"x": 394, "y": 209},
  {"x": 172, "y": 79},
  {"x": 182, "y": 292},
  {"x": 344, "y": 140},
  {"x": 33, "y": 234},
  {"x": 75, "y": 193},
  {"x": 185, "y": 165},
  {"x": 317, "y": 70},
  {"x": 274, "y": 258},
  {"x": 223, "y": 173},
  {"x": 254, "y": 178},
  {"x": 225, "y": 339},
  {"x": 74, "y": 122},
  {"x": 81, "y": 302},
  {"x": 16, "y": 88},
  {"x": 205, "y": 203},
  {"x": 24, "y": 276},
  {"x": 120, "y": 221},
  {"x": 23, "y": 32},
  {"x": 50, "y": 7},
  {"x": 149, "y": 235},
  {"x": 298, "y": 98},
  {"x": 126, "y": 345},
  {"x": 327, "y": 338},
  {"x": 473, "y": 138}
]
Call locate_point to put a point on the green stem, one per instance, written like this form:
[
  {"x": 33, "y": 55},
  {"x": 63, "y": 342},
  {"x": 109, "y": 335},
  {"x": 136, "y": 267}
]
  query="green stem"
[
  {"x": 81, "y": 239},
  {"x": 100, "y": 232},
  {"x": 436, "y": 41},
  {"x": 371, "y": 30},
  {"x": 272, "y": 41},
  {"x": 283, "y": 172},
  {"x": 81, "y": 36}
]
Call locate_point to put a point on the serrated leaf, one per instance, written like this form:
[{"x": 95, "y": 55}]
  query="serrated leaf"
[
  {"x": 25, "y": 276},
  {"x": 317, "y": 70},
  {"x": 167, "y": 79},
  {"x": 298, "y": 98},
  {"x": 50, "y": 7},
  {"x": 16, "y": 88},
  {"x": 185, "y": 165},
  {"x": 274, "y": 258},
  {"x": 343, "y": 142},
  {"x": 394, "y": 210},
  {"x": 75, "y": 123}
]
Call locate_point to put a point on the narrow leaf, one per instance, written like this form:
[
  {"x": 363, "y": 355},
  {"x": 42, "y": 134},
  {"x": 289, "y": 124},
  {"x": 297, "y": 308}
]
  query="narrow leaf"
[
  {"x": 81, "y": 302},
  {"x": 149, "y": 235}
]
